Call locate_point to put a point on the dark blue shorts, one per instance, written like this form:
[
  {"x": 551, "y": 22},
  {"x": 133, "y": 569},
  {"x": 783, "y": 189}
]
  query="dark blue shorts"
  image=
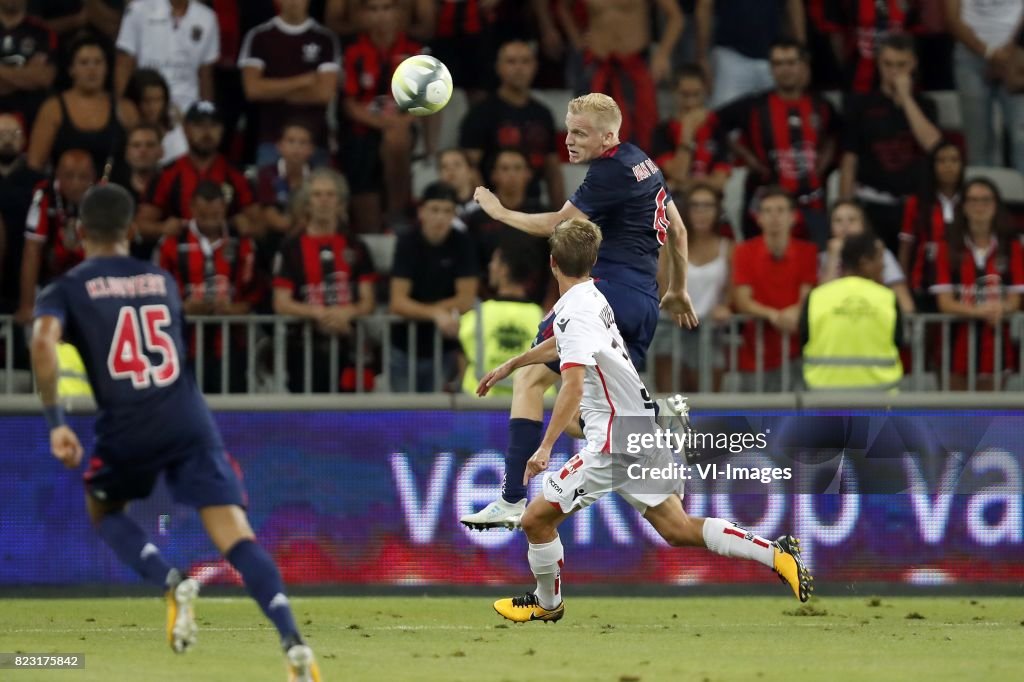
[
  {"x": 636, "y": 315},
  {"x": 201, "y": 477}
]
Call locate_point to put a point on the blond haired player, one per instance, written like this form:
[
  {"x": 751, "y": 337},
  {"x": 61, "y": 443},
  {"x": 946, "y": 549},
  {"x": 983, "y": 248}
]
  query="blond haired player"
[
  {"x": 599, "y": 379},
  {"x": 625, "y": 193}
]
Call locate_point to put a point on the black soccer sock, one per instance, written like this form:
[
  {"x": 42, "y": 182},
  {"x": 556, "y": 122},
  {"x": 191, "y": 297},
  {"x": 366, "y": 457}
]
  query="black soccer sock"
[
  {"x": 132, "y": 547},
  {"x": 524, "y": 436},
  {"x": 263, "y": 581}
]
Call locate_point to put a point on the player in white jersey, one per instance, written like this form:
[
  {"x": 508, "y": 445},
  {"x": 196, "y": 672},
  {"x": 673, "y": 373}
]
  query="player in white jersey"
[{"x": 599, "y": 379}]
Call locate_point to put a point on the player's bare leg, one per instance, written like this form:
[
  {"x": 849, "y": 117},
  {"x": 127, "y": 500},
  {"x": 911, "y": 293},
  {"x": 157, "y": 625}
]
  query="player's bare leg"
[
  {"x": 229, "y": 529},
  {"x": 723, "y": 537},
  {"x": 540, "y": 523},
  {"x": 130, "y": 543},
  {"x": 526, "y": 421}
]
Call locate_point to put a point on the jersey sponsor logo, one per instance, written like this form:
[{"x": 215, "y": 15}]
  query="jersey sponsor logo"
[
  {"x": 197, "y": 33},
  {"x": 562, "y": 324}
]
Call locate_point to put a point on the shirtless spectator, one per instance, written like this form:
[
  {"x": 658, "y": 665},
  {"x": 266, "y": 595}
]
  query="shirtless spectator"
[{"x": 613, "y": 53}]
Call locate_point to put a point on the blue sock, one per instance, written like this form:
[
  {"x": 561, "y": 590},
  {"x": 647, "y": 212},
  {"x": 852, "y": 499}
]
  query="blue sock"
[
  {"x": 131, "y": 546},
  {"x": 524, "y": 436},
  {"x": 263, "y": 581}
]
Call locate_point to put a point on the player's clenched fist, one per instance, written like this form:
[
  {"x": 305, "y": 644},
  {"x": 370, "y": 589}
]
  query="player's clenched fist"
[
  {"x": 537, "y": 464},
  {"x": 65, "y": 446}
]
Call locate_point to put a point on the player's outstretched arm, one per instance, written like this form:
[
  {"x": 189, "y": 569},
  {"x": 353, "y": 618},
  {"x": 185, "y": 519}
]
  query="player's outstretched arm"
[
  {"x": 46, "y": 334},
  {"x": 566, "y": 406},
  {"x": 541, "y": 353},
  {"x": 537, "y": 224},
  {"x": 676, "y": 300}
]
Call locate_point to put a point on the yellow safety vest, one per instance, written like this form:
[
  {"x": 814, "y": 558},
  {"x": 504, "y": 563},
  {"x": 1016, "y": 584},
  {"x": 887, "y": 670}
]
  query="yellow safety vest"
[
  {"x": 73, "y": 380},
  {"x": 851, "y": 328},
  {"x": 507, "y": 329}
]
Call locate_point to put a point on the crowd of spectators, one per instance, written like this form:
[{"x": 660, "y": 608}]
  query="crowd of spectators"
[{"x": 264, "y": 150}]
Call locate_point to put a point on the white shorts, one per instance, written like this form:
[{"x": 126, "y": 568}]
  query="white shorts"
[{"x": 587, "y": 477}]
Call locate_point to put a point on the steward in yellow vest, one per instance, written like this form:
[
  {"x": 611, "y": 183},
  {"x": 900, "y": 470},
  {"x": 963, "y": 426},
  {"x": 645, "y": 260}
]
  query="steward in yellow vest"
[
  {"x": 73, "y": 381},
  {"x": 851, "y": 327},
  {"x": 502, "y": 328}
]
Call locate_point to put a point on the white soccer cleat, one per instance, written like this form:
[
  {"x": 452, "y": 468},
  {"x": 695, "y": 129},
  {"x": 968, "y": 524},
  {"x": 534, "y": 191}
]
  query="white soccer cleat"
[
  {"x": 498, "y": 514},
  {"x": 181, "y": 617},
  {"x": 674, "y": 413},
  {"x": 302, "y": 665}
]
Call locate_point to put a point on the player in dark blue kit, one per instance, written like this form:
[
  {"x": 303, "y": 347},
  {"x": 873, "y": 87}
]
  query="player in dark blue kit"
[
  {"x": 125, "y": 317},
  {"x": 624, "y": 193}
]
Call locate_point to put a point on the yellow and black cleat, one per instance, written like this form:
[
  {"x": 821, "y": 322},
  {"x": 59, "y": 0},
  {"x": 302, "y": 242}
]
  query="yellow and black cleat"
[
  {"x": 526, "y": 608},
  {"x": 302, "y": 665},
  {"x": 181, "y": 618},
  {"x": 790, "y": 567}
]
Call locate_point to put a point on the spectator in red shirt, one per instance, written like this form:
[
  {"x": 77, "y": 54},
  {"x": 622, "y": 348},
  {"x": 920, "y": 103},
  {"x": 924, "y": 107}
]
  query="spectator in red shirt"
[
  {"x": 927, "y": 216},
  {"x": 52, "y": 243},
  {"x": 290, "y": 70},
  {"x": 377, "y": 150},
  {"x": 684, "y": 146},
  {"x": 215, "y": 271},
  {"x": 324, "y": 275},
  {"x": 980, "y": 277},
  {"x": 168, "y": 204},
  {"x": 28, "y": 52},
  {"x": 772, "y": 275}
]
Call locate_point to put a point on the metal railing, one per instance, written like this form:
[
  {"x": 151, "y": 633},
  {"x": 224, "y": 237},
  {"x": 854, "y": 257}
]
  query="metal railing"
[{"x": 274, "y": 354}]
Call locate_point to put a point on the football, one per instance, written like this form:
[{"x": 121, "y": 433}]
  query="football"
[{"x": 421, "y": 85}]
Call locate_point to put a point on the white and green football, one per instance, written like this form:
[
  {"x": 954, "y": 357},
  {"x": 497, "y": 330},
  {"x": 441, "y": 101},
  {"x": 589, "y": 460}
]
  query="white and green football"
[{"x": 421, "y": 85}]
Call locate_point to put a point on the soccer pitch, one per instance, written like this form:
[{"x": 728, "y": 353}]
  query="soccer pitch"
[{"x": 460, "y": 638}]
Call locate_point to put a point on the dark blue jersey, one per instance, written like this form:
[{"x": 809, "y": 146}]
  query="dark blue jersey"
[
  {"x": 125, "y": 318},
  {"x": 624, "y": 194}
]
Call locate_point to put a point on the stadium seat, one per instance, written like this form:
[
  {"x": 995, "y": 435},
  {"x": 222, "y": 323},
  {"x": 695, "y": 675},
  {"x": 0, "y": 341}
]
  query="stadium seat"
[
  {"x": 948, "y": 104},
  {"x": 732, "y": 199},
  {"x": 557, "y": 101},
  {"x": 424, "y": 172},
  {"x": 1009, "y": 181},
  {"x": 451, "y": 119},
  {"x": 382, "y": 251},
  {"x": 573, "y": 174}
]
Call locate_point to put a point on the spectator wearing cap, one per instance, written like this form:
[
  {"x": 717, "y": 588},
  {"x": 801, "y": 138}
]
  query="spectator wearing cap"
[
  {"x": 178, "y": 38},
  {"x": 290, "y": 68},
  {"x": 28, "y": 52},
  {"x": 168, "y": 204},
  {"x": 434, "y": 280}
]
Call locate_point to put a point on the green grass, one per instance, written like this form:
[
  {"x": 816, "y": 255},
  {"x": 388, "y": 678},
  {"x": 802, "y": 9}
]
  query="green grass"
[{"x": 618, "y": 640}]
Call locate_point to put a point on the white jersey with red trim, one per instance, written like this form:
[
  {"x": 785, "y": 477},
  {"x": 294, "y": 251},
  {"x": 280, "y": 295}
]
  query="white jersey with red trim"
[{"x": 586, "y": 335}]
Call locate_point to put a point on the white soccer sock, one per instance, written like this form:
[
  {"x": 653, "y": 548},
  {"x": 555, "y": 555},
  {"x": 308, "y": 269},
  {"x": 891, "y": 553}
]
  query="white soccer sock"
[
  {"x": 728, "y": 539},
  {"x": 546, "y": 564}
]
